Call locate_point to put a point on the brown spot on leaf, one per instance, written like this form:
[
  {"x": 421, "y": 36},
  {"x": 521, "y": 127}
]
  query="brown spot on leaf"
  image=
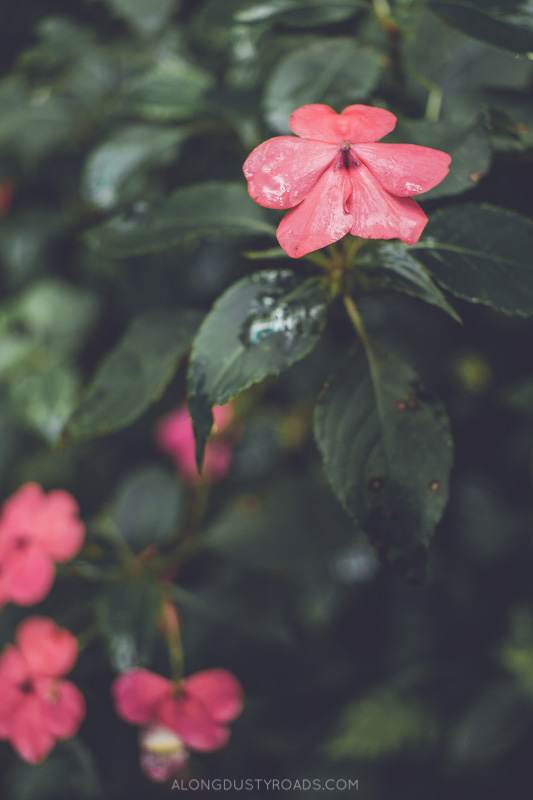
[
  {"x": 434, "y": 486},
  {"x": 375, "y": 484}
]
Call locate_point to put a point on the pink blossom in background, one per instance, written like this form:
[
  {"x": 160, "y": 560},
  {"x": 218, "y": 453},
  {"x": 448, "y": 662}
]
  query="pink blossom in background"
[
  {"x": 7, "y": 190},
  {"x": 36, "y": 531},
  {"x": 174, "y": 436},
  {"x": 162, "y": 753},
  {"x": 337, "y": 179},
  {"x": 197, "y": 709},
  {"x": 38, "y": 706}
]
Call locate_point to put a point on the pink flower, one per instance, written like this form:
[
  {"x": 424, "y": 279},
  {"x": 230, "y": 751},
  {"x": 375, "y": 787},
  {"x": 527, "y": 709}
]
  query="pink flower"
[
  {"x": 197, "y": 708},
  {"x": 38, "y": 706},
  {"x": 163, "y": 754},
  {"x": 338, "y": 180},
  {"x": 174, "y": 435},
  {"x": 36, "y": 530}
]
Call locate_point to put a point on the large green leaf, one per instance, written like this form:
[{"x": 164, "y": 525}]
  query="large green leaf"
[
  {"x": 111, "y": 169},
  {"x": 468, "y": 145},
  {"x": 297, "y": 13},
  {"x": 387, "y": 452},
  {"x": 505, "y": 23},
  {"x": 333, "y": 71},
  {"x": 259, "y": 327},
  {"x": 482, "y": 254},
  {"x": 218, "y": 209},
  {"x": 394, "y": 268},
  {"x": 135, "y": 373}
]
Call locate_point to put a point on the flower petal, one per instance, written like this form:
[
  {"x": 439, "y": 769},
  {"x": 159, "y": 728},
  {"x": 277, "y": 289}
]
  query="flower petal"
[
  {"x": 282, "y": 171},
  {"x": 137, "y": 694},
  {"x": 29, "y": 736},
  {"x": 356, "y": 123},
  {"x": 320, "y": 219},
  {"x": 13, "y": 672},
  {"x": 29, "y": 573},
  {"x": 219, "y": 691},
  {"x": 404, "y": 169},
  {"x": 58, "y": 526},
  {"x": 380, "y": 215},
  {"x": 63, "y": 709},
  {"x": 46, "y": 648},
  {"x": 193, "y": 723}
]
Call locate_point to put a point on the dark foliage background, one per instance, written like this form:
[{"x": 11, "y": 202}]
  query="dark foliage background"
[{"x": 108, "y": 108}]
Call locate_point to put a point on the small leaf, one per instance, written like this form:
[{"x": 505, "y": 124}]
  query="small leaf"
[
  {"x": 127, "y": 614},
  {"x": 113, "y": 166},
  {"x": 135, "y": 373},
  {"x": 504, "y": 23},
  {"x": 333, "y": 71},
  {"x": 387, "y": 453},
  {"x": 393, "y": 267},
  {"x": 148, "y": 507},
  {"x": 381, "y": 724},
  {"x": 482, "y": 254},
  {"x": 144, "y": 16},
  {"x": 217, "y": 209},
  {"x": 172, "y": 91},
  {"x": 259, "y": 327}
]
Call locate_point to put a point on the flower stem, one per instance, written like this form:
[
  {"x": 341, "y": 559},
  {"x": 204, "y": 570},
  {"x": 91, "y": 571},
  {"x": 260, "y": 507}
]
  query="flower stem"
[{"x": 355, "y": 317}]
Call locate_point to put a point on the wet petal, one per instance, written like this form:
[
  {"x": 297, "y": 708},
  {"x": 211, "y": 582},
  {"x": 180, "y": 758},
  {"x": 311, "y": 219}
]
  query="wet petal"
[
  {"x": 137, "y": 694},
  {"x": 63, "y": 709},
  {"x": 282, "y": 171},
  {"x": 30, "y": 573},
  {"x": 29, "y": 736},
  {"x": 193, "y": 723},
  {"x": 404, "y": 169},
  {"x": 219, "y": 691},
  {"x": 356, "y": 123},
  {"x": 320, "y": 219},
  {"x": 380, "y": 215},
  {"x": 46, "y": 648}
]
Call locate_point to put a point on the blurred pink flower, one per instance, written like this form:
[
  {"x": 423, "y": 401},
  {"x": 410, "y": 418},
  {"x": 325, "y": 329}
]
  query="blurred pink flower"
[
  {"x": 174, "y": 436},
  {"x": 36, "y": 530},
  {"x": 163, "y": 754},
  {"x": 197, "y": 709},
  {"x": 7, "y": 190},
  {"x": 337, "y": 179},
  {"x": 38, "y": 706}
]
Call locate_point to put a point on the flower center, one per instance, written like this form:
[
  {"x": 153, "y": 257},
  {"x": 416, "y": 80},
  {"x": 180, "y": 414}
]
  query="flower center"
[
  {"x": 346, "y": 158},
  {"x": 26, "y": 687}
]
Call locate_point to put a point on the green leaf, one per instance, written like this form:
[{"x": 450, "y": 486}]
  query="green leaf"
[
  {"x": 115, "y": 169},
  {"x": 148, "y": 507},
  {"x": 394, "y": 268},
  {"x": 333, "y": 71},
  {"x": 468, "y": 145},
  {"x": 144, "y": 16},
  {"x": 259, "y": 327},
  {"x": 127, "y": 613},
  {"x": 387, "y": 452},
  {"x": 297, "y": 13},
  {"x": 381, "y": 724},
  {"x": 172, "y": 91},
  {"x": 44, "y": 398},
  {"x": 69, "y": 771},
  {"x": 217, "y": 209},
  {"x": 504, "y": 23},
  {"x": 482, "y": 254},
  {"x": 135, "y": 373}
]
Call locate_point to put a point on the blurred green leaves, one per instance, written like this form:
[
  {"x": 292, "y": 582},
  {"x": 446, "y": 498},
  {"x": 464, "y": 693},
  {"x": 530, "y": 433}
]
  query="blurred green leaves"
[
  {"x": 135, "y": 373},
  {"x": 337, "y": 72},
  {"x": 504, "y": 23}
]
